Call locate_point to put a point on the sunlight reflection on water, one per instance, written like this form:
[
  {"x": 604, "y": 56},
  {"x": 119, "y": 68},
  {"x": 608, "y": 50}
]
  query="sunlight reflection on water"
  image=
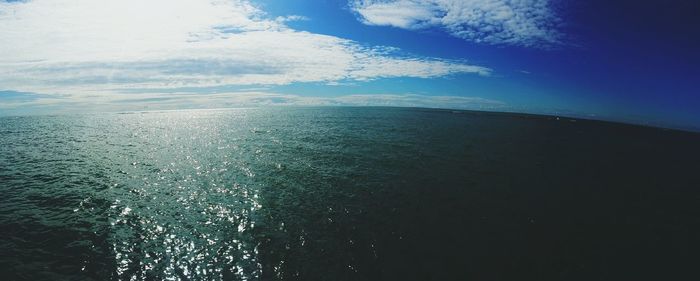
[
  {"x": 330, "y": 194},
  {"x": 188, "y": 187}
]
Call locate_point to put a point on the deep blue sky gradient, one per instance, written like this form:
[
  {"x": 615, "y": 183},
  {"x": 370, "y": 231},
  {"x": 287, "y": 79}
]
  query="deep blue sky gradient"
[{"x": 631, "y": 61}]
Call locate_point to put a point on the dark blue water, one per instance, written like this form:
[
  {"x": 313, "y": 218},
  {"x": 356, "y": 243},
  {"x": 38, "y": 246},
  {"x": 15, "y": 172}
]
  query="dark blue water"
[{"x": 345, "y": 194}]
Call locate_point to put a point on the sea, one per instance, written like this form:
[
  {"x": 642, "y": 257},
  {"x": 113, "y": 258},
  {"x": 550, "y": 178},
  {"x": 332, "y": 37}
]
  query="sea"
[{"x": 345, "y": 193}]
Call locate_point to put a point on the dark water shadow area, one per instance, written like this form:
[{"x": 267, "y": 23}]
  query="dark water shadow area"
[{"x": 345, "y": 194}]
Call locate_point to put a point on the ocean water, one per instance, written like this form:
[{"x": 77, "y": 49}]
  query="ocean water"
[{"x": 345, "y": 194}]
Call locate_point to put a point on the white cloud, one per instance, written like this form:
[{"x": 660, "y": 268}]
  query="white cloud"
[
  {"x": 403, "y": 14},
  {"x": 34, "y": 103},
  {"x": 530, "y": 23},
  {"x": 90, "y": 46}
]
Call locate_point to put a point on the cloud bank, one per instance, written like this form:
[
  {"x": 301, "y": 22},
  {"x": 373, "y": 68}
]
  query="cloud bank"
[
  {"x": 84, "y": 47},
  {"x": 528, "y": 23},
  {"x": 19, "y": 103}
]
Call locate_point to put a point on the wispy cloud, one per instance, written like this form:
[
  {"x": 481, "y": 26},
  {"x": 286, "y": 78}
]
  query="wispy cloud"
[
  {"x": 529, "y": 23},
  {"x": 30, "y": 103},
  {"x": 90, "y": 46}
]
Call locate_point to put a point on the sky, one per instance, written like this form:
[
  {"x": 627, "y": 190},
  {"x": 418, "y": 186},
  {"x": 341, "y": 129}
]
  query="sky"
[{"x": 629, "y": 61}]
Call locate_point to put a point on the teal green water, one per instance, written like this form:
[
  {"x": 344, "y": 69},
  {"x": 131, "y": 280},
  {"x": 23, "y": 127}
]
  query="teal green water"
[{"x": 344, "y": 194}]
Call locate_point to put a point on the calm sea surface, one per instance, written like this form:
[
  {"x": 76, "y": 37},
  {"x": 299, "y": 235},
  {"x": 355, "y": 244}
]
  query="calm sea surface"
[{"x": 345, "y": 194}]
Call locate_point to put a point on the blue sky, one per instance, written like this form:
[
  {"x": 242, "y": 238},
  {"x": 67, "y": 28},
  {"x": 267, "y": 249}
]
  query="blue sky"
[{"x": 632, "y": 61}]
